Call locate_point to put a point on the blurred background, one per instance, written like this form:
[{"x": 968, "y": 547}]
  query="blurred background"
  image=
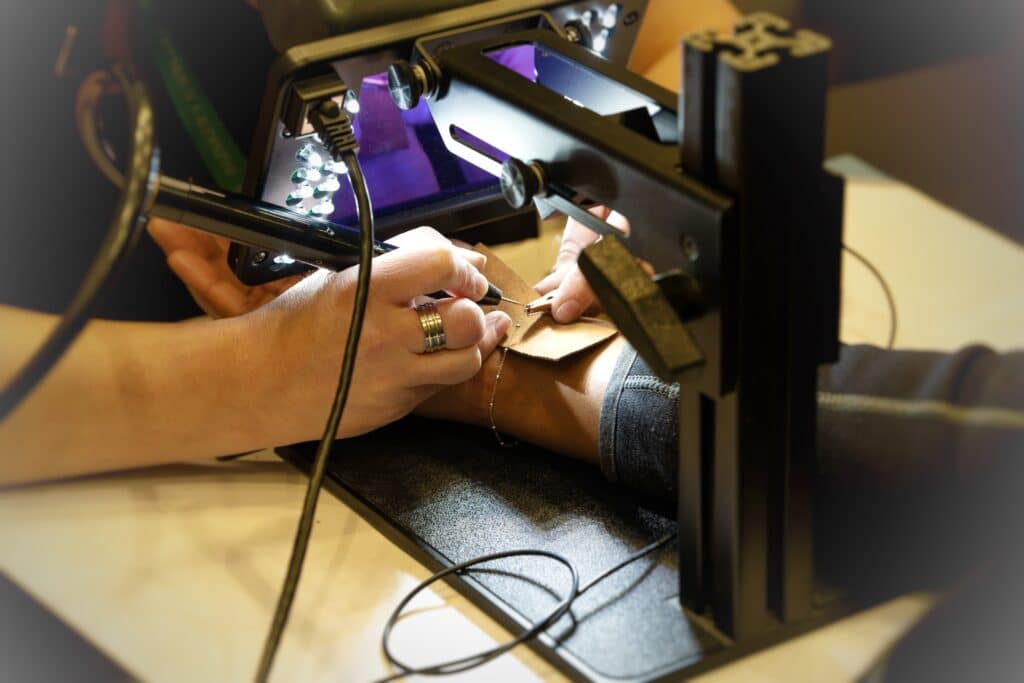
[{"x": 930, "y": 93}]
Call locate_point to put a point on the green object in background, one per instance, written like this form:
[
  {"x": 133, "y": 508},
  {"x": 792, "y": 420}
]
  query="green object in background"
[{"x": 221, "y": 155}]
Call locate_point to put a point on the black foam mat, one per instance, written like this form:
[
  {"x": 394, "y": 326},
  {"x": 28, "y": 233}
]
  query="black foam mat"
[{"x": 451, "y": 492}]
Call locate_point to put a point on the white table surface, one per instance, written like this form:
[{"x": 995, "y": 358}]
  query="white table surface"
[{"x": 173, "y": 571}]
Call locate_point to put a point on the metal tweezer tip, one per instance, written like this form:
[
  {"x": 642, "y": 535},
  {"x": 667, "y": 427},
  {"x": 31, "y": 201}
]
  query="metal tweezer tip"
[{"x": 541, "y": 305}]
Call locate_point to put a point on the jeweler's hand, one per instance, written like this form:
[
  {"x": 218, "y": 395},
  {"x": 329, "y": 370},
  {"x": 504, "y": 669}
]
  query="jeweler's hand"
[
  {"x": 302, "y": 333},
  {"x": 573, "y": 296},
  {"x": 466, "y": 402},
  {"x": 200, "y": 260}
]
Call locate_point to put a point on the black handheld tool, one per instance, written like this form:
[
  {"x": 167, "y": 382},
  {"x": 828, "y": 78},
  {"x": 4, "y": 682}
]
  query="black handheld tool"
[
  {"x": 493, "y": 297},
  {"x": 273, "y": 229}
]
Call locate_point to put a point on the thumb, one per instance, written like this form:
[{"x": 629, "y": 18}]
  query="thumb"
[
  {"x": 497, "y": 324},
  {"x": 573, "y": 297}
]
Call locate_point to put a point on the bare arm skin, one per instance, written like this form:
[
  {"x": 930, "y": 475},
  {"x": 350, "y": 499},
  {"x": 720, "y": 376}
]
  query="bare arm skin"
[
  {"x": 554, "y": 405},
  {"x": 131, "y": 394},
  {"x": 134, "y": 394}
]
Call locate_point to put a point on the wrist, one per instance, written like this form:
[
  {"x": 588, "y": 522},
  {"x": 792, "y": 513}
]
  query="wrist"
[
  {"x": 466, "y": 402},
  {"x": 251, "y": 383}
]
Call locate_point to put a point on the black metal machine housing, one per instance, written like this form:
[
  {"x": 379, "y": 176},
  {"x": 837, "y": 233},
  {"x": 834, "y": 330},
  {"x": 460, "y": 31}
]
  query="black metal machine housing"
[{"x": 307, "y": 69}]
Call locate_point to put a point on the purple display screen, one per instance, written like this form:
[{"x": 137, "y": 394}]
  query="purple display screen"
[{"x": 403, "y": 156}]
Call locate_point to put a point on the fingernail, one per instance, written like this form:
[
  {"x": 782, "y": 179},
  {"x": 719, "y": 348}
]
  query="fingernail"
[
  {"x": 567, "y": 311},
  {"x": 501, "y": 322},
  {"x": 482, "y": 285}
]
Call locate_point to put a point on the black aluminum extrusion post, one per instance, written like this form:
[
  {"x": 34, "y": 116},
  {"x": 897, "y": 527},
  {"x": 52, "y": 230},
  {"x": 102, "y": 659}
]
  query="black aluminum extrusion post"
[{"x": 754, "y": 128}]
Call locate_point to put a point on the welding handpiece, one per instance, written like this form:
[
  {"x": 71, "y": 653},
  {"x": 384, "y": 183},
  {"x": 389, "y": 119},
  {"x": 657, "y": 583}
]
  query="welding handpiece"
[{"x": 272, "y": 228}]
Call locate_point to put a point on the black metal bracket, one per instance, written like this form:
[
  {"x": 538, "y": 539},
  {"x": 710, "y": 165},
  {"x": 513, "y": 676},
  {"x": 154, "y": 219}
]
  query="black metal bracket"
[
  {"x": 641, "y": 310},
  {"x": 585, "y": 154}
]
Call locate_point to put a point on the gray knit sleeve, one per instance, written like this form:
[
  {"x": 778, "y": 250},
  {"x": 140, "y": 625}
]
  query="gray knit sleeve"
[{"x": 885, "y": 416}]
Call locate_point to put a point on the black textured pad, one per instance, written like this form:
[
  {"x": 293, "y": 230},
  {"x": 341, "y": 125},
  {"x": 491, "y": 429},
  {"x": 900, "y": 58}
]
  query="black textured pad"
[{"x": 454, "y": 493}]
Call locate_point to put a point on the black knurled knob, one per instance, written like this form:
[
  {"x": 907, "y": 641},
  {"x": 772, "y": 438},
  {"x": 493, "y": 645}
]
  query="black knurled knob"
[
  {"x": 519, "y": 183},
  {"x": 403, "y": 85}
]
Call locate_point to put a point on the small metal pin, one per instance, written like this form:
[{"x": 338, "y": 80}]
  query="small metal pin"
[{"x": 512, "y": 301}]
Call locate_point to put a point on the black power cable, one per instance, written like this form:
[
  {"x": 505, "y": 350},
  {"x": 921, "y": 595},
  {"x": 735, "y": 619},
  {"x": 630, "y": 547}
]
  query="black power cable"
[
  {"x": 335, "y": 127},
  {"x": 643, "y": 552},
  {"x": 126, "y": 226},
  {"x": 472, "y": 661},
  {"x": 316, "y": 477},
  {"x": 889, "y": 298}
]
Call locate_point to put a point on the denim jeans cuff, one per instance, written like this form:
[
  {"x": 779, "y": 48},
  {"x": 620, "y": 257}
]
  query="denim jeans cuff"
[{"x": 608, "y": 427}]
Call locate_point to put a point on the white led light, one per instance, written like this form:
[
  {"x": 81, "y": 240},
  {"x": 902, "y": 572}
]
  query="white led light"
[
  {"x": 311, "y": 175},
  {"x": 601, "y": 40},
  {"x": 329, "y": 185},
  {"x": 309, "y": 155},
  {"x": 351, "y": 102},
  {"x": 283, "y": 259},
  {"x": 610, "y": 17},
  {"x": 301, "y": 192},
  {"x": 332, "y": 166},
  {"x": 324, "y": 208}
]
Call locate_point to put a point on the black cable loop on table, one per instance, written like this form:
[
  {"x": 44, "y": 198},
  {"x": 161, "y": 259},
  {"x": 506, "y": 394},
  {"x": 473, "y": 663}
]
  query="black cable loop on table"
[
  {"x": 474, "y": 660},
  {"x": 471, "y": 661}
]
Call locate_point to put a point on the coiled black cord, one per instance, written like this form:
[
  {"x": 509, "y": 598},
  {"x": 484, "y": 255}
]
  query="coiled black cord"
[
  {"x": 126, "y": 226},
  {"x": 461, "y": 664}
]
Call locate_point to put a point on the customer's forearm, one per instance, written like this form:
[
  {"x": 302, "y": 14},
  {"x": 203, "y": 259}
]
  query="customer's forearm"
[
  {"x": 556, "y": 405},
  {"x": 553, "y": 405},
  {"x": 128, "y": 395}
]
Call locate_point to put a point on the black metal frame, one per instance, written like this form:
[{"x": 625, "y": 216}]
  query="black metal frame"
[
  {"x": 742, "y": 207},
  {"x": 376, "y": 47}
]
